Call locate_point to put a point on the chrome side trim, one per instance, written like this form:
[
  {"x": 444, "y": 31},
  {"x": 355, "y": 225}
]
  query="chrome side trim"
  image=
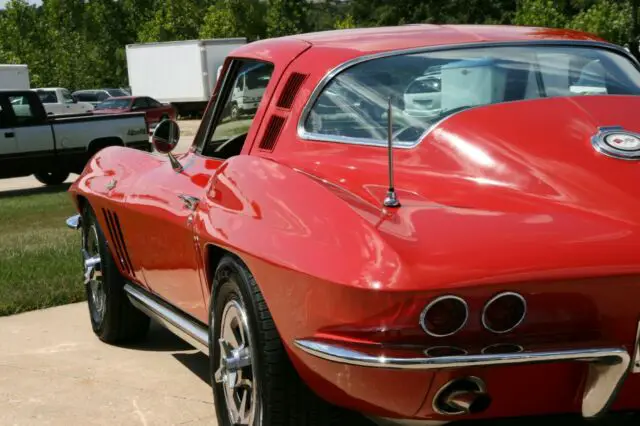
[
  {"x": 608, "y": 366},
  {"x": 636, "y": 357},
  {"x": 493, "y": 299},
  {"x": 331, "y": 74},
  {"x": 180, "y": 325},
  {"x": 74, "y": 222},
  {"x": 432, "y": 304}
]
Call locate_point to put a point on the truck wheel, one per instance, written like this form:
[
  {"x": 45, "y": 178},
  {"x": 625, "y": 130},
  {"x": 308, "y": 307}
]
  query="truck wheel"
[
  {"x": 253, "y": 380},
  {"x": 235, "y": 111},
  {"x": 55, "y": 177},
  {"x": 113, "y": 318}
]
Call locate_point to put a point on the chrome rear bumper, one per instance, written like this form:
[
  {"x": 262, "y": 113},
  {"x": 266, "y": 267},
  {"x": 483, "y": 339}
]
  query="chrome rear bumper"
[{"x": 608, "y": 366}]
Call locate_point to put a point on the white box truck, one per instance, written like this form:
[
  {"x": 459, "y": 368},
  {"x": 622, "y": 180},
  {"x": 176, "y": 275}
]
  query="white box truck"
[
  {"x": 14, "y": 77},
  {"x": 183, "y": 73}
]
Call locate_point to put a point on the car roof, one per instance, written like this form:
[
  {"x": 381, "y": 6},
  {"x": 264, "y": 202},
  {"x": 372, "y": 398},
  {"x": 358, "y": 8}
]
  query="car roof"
[{"x": 364, "y": 41}]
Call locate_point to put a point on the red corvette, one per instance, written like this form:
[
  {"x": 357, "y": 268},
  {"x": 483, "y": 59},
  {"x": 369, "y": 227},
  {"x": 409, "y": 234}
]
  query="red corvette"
[
  {"x": 473, "y": 255},
  {"x": 154, "y": 111}
]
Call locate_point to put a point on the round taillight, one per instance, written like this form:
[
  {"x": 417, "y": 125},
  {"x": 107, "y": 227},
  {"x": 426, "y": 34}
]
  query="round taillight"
[
  {"x": 444, "y": 316},
  {"x": 504, "y": 312}
]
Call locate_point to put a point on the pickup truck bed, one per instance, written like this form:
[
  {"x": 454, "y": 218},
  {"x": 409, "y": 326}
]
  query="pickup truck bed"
[{"x": 52, "y": 147}]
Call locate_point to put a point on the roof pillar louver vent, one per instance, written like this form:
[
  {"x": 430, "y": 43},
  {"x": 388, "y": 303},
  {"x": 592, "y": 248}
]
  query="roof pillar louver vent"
[
  {"x": 272, "y": 132},
  {"x": 291, "y": 89}
]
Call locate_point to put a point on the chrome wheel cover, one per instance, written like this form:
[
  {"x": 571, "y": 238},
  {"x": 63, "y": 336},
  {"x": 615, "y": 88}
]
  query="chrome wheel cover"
[
  {"x": 93, "y": 272},
  {"x": 235, "y": 372}
]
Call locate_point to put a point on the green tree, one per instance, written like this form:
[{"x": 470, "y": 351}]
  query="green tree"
[
  {"x": 22, "y": 40},
  {"x": 540, "y": 13},
  {"x": 286, "y": 17},
  {"x": 345, "y": 23},
  {"x": 611, "y": 20},
  {"x": 173, "y": 20},
  {"x": 234, "y": 18}
]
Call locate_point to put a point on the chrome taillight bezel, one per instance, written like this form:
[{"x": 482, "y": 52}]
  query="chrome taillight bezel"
[
  {"x": 496, "y": 298},
  {"x": 434, "y": 302}
]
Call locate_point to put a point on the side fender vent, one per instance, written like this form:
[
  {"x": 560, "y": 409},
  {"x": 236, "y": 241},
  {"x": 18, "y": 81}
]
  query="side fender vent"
[
  {"x": 291, "y": 89},
  {"x": 272, "y": 132},
  {"x": 117, "y": 238}
]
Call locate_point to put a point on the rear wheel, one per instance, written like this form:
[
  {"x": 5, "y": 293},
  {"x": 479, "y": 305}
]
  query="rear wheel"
[
  {"x": 53, "y": 177},
  {"x": 113, "y": 318},
  {"x": 254, "y": 383}
]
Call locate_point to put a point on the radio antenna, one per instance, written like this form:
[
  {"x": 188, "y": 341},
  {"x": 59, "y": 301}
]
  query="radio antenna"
[{"x": 391, "y": 200}]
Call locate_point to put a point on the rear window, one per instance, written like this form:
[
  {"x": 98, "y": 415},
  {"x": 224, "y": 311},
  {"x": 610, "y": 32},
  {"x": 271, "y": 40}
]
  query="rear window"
[
  {"x": 47, "y": 96},
  {"x": 426, "y": 87},
  {"x": 115, "y": 93}
]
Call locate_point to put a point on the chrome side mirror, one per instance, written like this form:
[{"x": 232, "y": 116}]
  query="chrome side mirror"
[{"x": 165, "y": 138}]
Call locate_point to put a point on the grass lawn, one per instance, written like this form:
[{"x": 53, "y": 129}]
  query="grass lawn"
[{"x": 40, "y": 261}]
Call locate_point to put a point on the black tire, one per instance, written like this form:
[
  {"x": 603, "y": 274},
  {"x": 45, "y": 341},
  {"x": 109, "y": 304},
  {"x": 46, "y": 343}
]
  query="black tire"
[
  {"x": 284, "y": 399},
  {"x": 235, "y": 111},
  {"x": 118, "y": 321},
  {"x": 54, "y": 177}
]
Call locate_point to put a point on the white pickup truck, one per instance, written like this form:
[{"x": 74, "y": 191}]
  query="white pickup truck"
[
  {"x": 58, "y": 100},
  {"x": 31, "y": 142}
]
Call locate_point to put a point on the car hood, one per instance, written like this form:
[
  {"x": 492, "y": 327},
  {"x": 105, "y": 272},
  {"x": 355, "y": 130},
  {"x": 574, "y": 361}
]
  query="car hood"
[{"x": 508, "y": 190}]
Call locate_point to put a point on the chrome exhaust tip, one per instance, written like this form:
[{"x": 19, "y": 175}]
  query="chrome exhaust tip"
[{"x": 467, "y": 395}]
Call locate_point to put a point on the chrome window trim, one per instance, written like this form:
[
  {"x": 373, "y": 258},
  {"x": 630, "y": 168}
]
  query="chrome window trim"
[
  {"x": 496, "y": 297},
  {"x": 635, "y": 369},
  {"x": 304, "y": 135},
  {"x": 431, "y": 304}
]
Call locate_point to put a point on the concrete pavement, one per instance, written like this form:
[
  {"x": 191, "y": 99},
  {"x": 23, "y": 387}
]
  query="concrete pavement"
[{"x": 54, "y": 371}]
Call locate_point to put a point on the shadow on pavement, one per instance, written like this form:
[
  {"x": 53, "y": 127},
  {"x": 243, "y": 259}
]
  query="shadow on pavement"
[
  {"x": 159, "y": 339},
  {"x": 34, "y": 191},
  {"x": 197, "y": 363}
]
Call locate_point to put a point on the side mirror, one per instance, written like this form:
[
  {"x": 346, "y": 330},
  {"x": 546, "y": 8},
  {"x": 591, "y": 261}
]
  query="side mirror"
[{"x": 165, "y": 138}]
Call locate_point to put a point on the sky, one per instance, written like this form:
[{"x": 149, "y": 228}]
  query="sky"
[{"x": 3, "y": 2}]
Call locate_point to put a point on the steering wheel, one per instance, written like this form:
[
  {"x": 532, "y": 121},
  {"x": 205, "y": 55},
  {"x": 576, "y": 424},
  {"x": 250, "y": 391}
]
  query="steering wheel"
[{"x": 230, "y": 147}]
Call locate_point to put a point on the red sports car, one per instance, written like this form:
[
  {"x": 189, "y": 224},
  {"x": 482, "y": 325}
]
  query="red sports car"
[
  {"x": 338, "y": 253},
  {"x": 154, "y": 111}
]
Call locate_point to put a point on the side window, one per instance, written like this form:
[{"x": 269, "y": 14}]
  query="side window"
[
  {"x": 47, "y": 96},
  {"x": 101, "y": 96},
  {"x": 153, "y": 103},
  {"x": 22, "y": 110},
  {"x": 5, "y": 122},
  {"x": 66, "y": 97},
  {"x": 237, "y": 108},
  {"x": 141, "y": 103}
]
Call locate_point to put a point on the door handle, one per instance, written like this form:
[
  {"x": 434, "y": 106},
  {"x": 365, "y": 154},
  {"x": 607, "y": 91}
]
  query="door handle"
[
  {"x": 190, "y": 202},
  {"x": 9, "y": 134}
]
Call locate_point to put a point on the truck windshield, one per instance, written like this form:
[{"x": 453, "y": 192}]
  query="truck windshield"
[
  {"x": 114, "y": 104},
  {"x": 427, "y": 87}
]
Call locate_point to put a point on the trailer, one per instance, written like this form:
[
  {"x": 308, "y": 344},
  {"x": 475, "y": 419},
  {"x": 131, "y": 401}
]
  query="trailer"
[
  {"x": 14, "y": 77},
  {"x": 182, "y": 73}
]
